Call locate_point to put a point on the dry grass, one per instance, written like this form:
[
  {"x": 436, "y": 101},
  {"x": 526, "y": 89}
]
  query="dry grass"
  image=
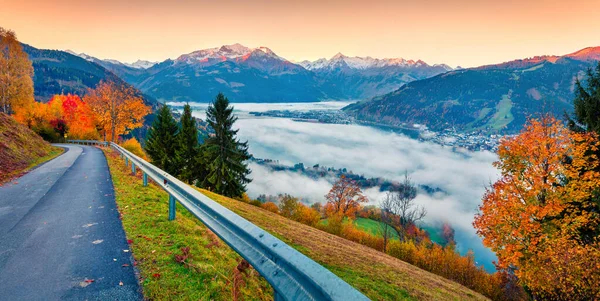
[
  {"x": 21, "y": 149},
  {"x": 377, "y": 275}
]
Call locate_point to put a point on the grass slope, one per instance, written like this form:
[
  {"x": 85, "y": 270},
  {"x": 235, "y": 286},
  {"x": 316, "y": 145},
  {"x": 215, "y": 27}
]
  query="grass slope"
[
  {"x": 21, "y": 149},
  {"x": 377, "y": 275},
  {"x": 210, "y": 270},
  {"x": 145, "y": 209}
]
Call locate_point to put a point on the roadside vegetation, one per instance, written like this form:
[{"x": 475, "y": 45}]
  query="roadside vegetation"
[
  {"x": 21, "y": 149},
  {"x": 180, "y": 259},
  {"x": 144, "y": 213}
]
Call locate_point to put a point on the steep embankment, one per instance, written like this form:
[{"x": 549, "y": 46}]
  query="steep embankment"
[{"x": 21, "y": 148}]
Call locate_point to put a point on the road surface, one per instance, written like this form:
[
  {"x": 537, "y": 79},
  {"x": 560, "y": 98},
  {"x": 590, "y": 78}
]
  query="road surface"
[{"x": 60, "y": 229}]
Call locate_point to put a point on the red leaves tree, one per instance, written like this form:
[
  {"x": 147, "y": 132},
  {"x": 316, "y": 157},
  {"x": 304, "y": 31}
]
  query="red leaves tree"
[{"x": 344, "y": 198}]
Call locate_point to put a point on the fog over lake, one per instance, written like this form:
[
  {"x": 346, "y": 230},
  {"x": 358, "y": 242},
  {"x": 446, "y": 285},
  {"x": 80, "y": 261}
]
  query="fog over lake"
[{"x": 461, "y": 174}]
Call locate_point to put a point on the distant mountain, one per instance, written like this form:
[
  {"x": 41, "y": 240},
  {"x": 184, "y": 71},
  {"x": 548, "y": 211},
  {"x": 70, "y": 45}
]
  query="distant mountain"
[
  {"x": 243, "y": 74},
  {"x": 259, "y": 75},
  {"x": 495, "y": 97},
  {"x": 139, "y": 64},
  {"x": 57, "y": 72},
  {"x": 365, "y": 77}
]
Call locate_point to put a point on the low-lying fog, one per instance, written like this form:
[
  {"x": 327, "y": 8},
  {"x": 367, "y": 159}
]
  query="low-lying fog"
[{"x": 462, "y": 175}]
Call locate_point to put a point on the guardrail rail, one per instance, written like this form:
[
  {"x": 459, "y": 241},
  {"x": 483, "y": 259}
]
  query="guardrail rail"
[{"x": 292, "y": 275}]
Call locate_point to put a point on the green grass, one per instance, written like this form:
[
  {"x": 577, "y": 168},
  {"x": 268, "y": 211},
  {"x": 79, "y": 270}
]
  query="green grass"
[
  {"x": 372, "y": 226},
  {"x": 208, "y": 273},
  {"x": 503, "y": 115}
]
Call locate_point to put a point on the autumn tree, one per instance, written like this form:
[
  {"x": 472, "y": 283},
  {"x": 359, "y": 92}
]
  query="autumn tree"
[
  {"x": 117, "y": 107},
  {"x": 224, "y": 156},
  {"x": 344, "y": 198},
  {"x": 77, "y": 115},
  {"x": 16, "y": 72},
  {"x": 540, "y": 217},
  {"x": 288, "y": 205}
]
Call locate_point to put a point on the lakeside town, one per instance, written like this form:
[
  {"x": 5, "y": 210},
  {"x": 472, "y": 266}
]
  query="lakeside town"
[{"x": 474, "y": 141}]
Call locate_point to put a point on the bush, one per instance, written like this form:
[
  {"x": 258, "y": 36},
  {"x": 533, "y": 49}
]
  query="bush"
[
  {"x": 135, "y": 147},
  {"x": 256, "y": 203},
  {"x": 306, "y": 215},
  {"x": 270, "y": 206}
]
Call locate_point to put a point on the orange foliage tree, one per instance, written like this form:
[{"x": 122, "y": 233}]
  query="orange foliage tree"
[
  {"x": 118, "y": 109},
  {"x": 541, "y": 217},
  {"x": 344, "y": 198}
]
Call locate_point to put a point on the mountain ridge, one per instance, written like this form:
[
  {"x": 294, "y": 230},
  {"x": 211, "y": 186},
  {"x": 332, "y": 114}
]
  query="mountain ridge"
[
  {"x": 495, "y": 98},
  {"x": 260, "y": 75}
]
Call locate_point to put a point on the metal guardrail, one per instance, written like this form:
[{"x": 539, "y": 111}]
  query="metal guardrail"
[{"x": 292, "y": 275}]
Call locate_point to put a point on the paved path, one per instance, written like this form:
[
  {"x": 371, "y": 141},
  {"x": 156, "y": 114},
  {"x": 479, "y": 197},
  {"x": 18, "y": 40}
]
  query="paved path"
[{"x": 59, "y": 225}]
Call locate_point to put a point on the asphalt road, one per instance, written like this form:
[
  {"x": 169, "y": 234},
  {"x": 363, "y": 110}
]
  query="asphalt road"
[{"x": 59, "y": 226}]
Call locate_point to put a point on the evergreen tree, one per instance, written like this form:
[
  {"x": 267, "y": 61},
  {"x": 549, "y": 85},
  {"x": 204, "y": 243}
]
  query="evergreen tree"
[
  {"x": 188, "y": 148},
  {"x": 587, "y": 104},
  {"x": 223, "y": 154},
  {"x": 162, "y": 141}
]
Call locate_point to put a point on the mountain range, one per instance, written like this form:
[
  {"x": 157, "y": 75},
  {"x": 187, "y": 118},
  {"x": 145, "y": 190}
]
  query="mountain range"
[
  {"x": 260, "y": 75},
  {"x": 397, "y": 92},
  {"x": 493, "y": 98}
]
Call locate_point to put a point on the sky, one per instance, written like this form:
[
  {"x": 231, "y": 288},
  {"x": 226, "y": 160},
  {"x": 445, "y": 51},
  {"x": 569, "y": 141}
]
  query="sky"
[{"x": 463, "y": 33}]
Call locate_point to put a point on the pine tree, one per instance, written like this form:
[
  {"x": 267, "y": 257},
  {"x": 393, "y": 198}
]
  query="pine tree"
[
  {"x": 162, "y": 141},
  {"x": 587, "y": 104},
  {"x": 223, "y": 154},
  {"x": 188, "y": 148}
]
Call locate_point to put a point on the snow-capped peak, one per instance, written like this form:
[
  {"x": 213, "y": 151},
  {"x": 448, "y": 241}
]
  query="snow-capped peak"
[
  {"x": 224, "y": 53},
  {"x": 361, "y": 62},
  {"x": 139, "y": 64}
]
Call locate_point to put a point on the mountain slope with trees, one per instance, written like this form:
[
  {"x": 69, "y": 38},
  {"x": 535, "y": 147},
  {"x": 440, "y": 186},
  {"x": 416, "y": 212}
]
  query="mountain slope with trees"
[{"x": 496, "y": 97}]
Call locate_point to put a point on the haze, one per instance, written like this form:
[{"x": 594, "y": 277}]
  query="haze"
[{"x": 465, "y": 32}]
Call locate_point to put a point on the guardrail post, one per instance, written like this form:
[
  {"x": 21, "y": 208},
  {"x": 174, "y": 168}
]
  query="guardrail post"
[
  {"x": 133, "y": 168},
  {"x": 145, "y": 179},
  {"x": 126, "y": 161},
  {"x": 171, "y": 207}
]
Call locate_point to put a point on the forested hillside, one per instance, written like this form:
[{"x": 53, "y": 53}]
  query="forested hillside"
[{"x": 496, "y": 97}]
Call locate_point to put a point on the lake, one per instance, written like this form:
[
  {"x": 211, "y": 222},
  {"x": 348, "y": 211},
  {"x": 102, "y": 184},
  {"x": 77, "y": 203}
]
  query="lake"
[{"x": 462, "y": 175}]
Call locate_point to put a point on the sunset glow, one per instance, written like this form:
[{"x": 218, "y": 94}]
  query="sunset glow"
[{"x": 463, "y": 32}]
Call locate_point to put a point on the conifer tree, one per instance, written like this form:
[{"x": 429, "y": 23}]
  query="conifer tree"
[
  {"x": 162, "y": 141},
  {"x": 188, "y": 148},
  {"x": 223, "y": 153},
  {"x": 587, "y": 104}
]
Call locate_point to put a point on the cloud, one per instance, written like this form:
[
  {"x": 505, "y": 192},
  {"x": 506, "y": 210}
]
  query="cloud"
[{"x": 462, "y": 175}]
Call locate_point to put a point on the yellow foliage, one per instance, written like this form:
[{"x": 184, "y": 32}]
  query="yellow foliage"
[
  {"x": 117, "y": 109},
  {"x": 135, "y": 147}
]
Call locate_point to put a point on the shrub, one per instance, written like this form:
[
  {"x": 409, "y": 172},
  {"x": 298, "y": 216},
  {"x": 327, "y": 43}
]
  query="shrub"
[
  {"x": 135, "y": 147},
  {"x": 270, "y": 206},
  {"x": 306, "y": 215},
  {"x": 256, "y": 203}
]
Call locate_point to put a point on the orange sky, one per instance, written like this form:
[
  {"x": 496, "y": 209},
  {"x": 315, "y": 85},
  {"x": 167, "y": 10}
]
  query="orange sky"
[{"x": 462, "y": 32}]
